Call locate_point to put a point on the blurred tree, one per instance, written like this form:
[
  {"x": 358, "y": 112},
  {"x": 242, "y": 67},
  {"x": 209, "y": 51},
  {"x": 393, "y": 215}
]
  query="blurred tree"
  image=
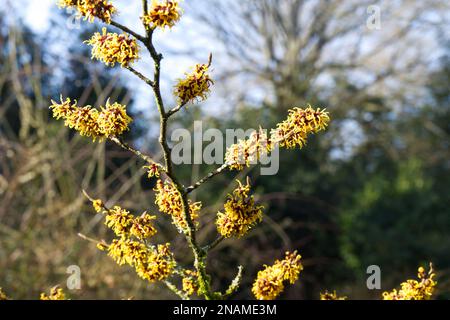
[
  {"x": 43, "y": 168},
  {"x": 373, "y": 81}
]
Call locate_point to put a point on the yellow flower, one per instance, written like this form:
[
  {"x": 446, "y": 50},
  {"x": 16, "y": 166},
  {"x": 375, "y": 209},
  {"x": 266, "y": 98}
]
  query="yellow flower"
[
  {"x": 248, "y": 151},
  {"x": 82, "y": 119},
  {"x": 196, "y": 85},
  {"x": 268, "y": 284},
  {"x": 291, "y": 132},
  {"x": 169, "y": 201},
  {"x": 124, "y": 224},
  {"x": 3, "y": 295},
  {"x": 127, "y": 251},
  {"x": 152, "y": 171},
  {"x": 102, "y": 246},
  {"x": 163, "y": 14},
  {"x": 90, "y": 9},
  {"x": 56, "y": 293},
  {"x": 190, "y": 284},
  {"x": 290, "y": 266},
  {"x": 331, "y": 296},
  {"x": 413, "y": 289},
  {"x": 240, "y": 213},
  {"x": 142, "y": 227},
  {"x": 98, "y": 205},
  {"x": 152, "y": 264},
  {"x": 159, "y": 264},
  {"x": 270, "y": 281},
  {"x": 294, "y": 130},
  {"x": 113, "y": 119},
  {"x": 64, "y": 109},
  {"x": 85, "y": 121},
  {"x": 119, "y": 220},
  {"x": 112, "y": 48}
]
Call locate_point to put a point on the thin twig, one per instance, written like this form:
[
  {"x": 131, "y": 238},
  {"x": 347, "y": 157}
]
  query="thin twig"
[
  {"x": 214, "y": 244},
  {"x": 138, "y": 153},
  {"x": 140, "y": 75},
  {"x": 206, "y": 178},
  {"x": 175, "y": 290},
  {"x": 127, "y": 30},
  {"x": 199, "y": 254},
  {"x": 175, "y": 110},
  {"x": 82, "y": 236}
]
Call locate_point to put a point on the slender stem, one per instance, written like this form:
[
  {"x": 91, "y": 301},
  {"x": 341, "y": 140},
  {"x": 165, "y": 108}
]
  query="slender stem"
[
  {"x": 214, "y": 244},
  {"x": 140, "y": 75},
  {"x": 199, "y": 254},
  {"x": 175, "y": 110},
  {"x": 206, "y": 178},
  {"x": 175, "y": 290},
  {"x": 127, "y": 30},
  {"x": 84, "y": 237},
  {"x": 138, "y": 153},
  {"x": 145, "y": 6}
]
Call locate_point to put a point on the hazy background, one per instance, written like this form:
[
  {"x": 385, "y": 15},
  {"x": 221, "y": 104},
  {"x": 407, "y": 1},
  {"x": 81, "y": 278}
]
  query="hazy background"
[{"x": 373, "y": 189}]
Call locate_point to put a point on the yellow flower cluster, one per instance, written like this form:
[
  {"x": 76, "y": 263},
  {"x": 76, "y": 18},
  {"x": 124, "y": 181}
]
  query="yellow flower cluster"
[
  {"x": 112, "y": 48},
  {"x": 169, "y": 201},
  {"x": 56, "y": 293},
  {"x": 248, "y": 151},
  {"x": 294, "y": 130},
  {"x": 196, "y": 85},
  {"x": 112, "y": 120},
  {"x": 3, "y": 295},
  {"x": 153, "y": 264},
  {"x": 331, "y": 296},
  {"x": 291, "y": 132},
  {"x": 90, "y": 9},
  {"x": 163, "y": 14},
  {"x": 240, "y": 213},
  {"x": 190, "y": 284},
  {"x": 415, "y": 290},
  {"x": 270, "y": 281},
  {"x": 124, "y": 224}
]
